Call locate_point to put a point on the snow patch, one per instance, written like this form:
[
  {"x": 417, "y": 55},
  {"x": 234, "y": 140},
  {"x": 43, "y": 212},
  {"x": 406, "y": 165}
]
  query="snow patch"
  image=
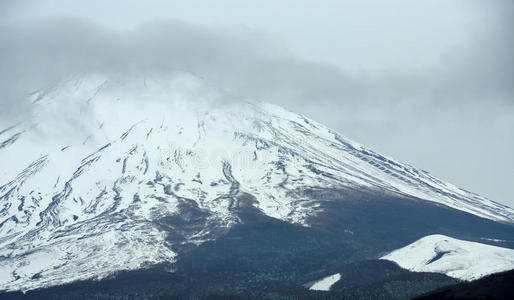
[{"x": 325, "y": 283}]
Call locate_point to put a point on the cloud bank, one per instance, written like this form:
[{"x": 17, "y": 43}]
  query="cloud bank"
[{"x": 246, "y": 64}]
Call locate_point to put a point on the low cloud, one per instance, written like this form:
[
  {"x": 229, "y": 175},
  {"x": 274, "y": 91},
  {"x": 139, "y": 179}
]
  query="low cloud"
[{"x": 244, "y": 64}]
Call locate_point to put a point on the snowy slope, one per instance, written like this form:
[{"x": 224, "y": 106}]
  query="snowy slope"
[
  {"x": 456, "y": 258},
  {"x": 88, "y": 182}
]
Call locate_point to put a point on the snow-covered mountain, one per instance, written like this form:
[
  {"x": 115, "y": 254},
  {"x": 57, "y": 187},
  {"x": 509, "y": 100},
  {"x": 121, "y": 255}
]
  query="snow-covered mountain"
[
  {"x": 456, "y": 258},
  {"x": 87, "y": 180}
]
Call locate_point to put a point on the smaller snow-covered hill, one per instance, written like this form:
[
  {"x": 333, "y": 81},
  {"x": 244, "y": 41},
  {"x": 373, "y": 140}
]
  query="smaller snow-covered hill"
[{"x": 456, "y": 258}]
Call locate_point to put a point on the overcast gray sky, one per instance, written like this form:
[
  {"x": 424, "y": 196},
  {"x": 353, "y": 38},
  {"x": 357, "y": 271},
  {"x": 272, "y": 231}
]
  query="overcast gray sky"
[{"x": 429, "y": 83}]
